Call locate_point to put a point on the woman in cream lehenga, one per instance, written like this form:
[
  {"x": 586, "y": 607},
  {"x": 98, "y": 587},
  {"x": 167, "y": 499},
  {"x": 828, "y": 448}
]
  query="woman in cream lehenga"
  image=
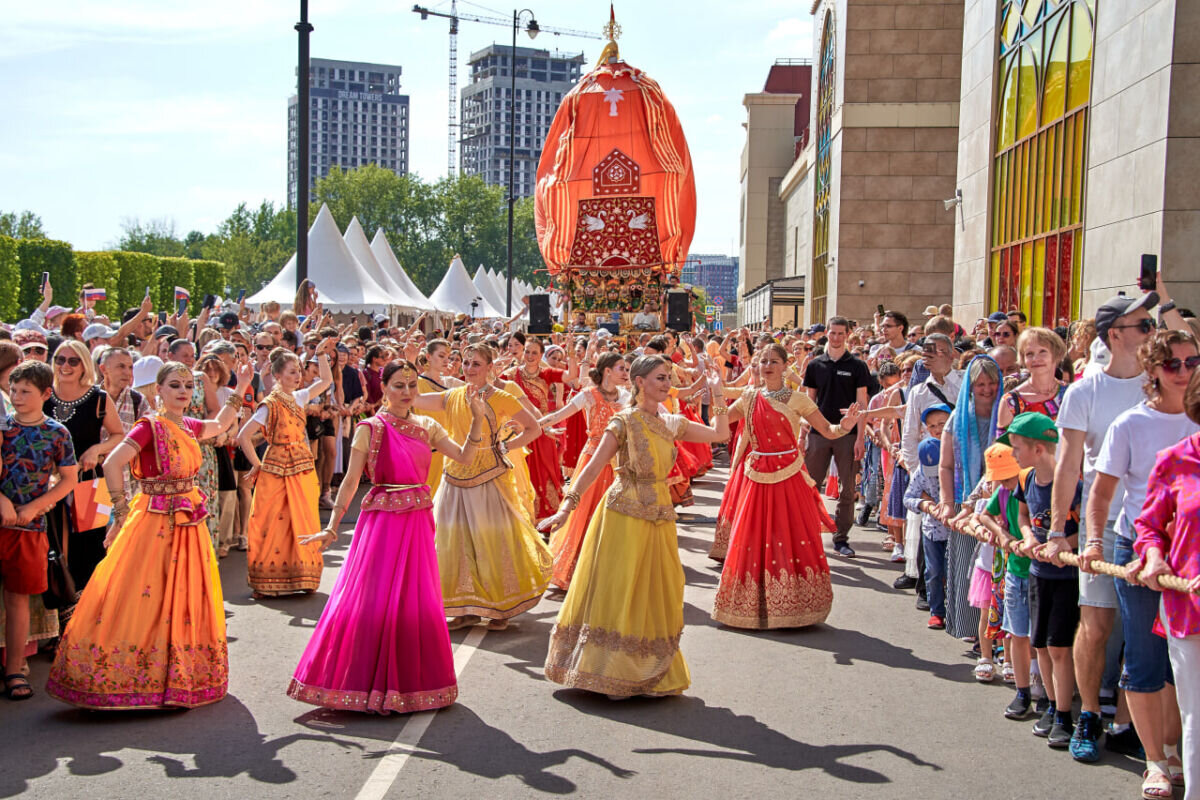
[
  {"x": 149, "y": 628},
  {"x": 493, "y": 564},
  {"x": 619, "y": 627}
]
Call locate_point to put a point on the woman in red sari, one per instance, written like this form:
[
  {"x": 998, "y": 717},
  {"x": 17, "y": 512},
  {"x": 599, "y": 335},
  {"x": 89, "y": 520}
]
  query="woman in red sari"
[
  {"x": 604, "y": 398},
  {"x": 536, "y": 380},
  {"x": 775, "y": 574}
]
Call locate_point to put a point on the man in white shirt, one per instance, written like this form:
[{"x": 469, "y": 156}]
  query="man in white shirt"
[
  {"x": 941, "y": 386},
  {"x": 646, "y": 320}
]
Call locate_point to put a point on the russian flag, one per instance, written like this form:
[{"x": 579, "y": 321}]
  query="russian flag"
[
  {"x": 95, "y": 294},
  {"x": 182, "y": 293}
]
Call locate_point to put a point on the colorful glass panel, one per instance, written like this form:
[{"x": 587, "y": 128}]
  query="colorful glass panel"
[
  {"x": 1040, "y": 163},
  {"x": 819, "y": 287}
]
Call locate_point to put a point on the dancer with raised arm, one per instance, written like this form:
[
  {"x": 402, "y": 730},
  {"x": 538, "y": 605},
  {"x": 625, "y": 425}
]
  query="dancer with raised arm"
[
  {"x": 382, "y": 644},
  {"x": 619, "y": 627}
]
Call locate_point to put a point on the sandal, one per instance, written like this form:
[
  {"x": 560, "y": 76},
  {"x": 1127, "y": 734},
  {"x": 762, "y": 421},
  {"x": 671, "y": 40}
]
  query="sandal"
[
  {"x": 1175, "y": 771},
  {"x": 888, "y": 543},
  {"x": 1008, "y": 674},
  {"x": 985, "y": 670},
  {"x": 21, "y": 690},
  {"x": 462, "y": 622},
  {"x": 497, "y": 624},
  {"x": 1156, "y": 784}
]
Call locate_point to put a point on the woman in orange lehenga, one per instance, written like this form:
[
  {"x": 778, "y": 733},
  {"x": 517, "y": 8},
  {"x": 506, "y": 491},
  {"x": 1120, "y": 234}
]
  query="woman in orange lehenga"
[
  {"x": 601, "y": 401},
  {"x": 284, "y": 508},
  {"x": 545, "y": 466},
  {"x": 149, "y": 628},
  {"x": 775, "y": 574}
]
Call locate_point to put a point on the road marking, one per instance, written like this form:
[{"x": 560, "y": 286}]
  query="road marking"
[{"x": 406, "y": 741}]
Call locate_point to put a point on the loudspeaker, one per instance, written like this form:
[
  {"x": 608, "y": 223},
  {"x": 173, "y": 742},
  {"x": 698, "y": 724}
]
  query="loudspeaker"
[
  {"x": 679, "y": 313},
  {"x": 539, "y": 313}
]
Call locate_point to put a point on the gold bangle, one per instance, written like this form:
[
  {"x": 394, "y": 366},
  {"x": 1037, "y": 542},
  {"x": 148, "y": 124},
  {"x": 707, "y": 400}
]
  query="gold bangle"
[
  {"x": 234, "y": 401},
  {"x": 720, "y": 409},
  {"x": 475, "y": 440}
]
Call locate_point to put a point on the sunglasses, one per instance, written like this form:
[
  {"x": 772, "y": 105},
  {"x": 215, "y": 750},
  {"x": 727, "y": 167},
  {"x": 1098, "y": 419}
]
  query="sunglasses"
[
  {"x": 1176, "y": 364},
  {"x": 262, "y": 347},
  {"x": 41, "y": 350},
  {"x": 1142, "y": 325},
  {"x": 73, "y": 361}
]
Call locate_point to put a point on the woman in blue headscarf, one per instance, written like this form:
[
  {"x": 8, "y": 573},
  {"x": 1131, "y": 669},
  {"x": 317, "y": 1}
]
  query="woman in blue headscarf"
[{"x": 970, "y": 430}]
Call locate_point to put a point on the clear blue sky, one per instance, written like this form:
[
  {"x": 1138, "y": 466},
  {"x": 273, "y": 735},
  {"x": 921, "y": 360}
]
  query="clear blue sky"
[{"x": 165, "y": 108}]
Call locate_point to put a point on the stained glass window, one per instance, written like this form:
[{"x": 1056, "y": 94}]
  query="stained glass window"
[
  {"x": 1044, "y": 87},
  {"x": 823, "y": 173}
]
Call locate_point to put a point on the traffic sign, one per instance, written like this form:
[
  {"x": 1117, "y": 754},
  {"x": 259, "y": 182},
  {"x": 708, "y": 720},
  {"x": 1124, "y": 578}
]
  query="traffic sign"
[
  {"x": 710, "y": 310},
  {"x": 719, "y": 300},
  {"x": 717, "y": 325}
]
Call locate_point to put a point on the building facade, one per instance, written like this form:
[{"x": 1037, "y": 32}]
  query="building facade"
[
  {"x": 777, "y": 123},
  {"x": 542, "y": 78},
  {"x": 1078, "y": 152},
  {"x": 357, "y": 116},
  {"x": 717, "y": 275}
]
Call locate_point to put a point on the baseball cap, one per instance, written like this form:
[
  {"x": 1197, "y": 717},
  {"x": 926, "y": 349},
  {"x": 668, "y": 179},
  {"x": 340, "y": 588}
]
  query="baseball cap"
[
  {"x": 999, "y": 463},
  {"x": 380, "y": 318},
  {"x": 54, "y": 311},
  {"x": 942, "y": 407},
  {"x": 1031, "y": 425},
  {"x": 929, "y": 451},
  {"x": 97, "y": 330},
  {"x": 169, "y": 331},
  {"x": 145, "y": 370},
  {"x": 28, "y": 339},
  {"x": 997, "y": 316},
  {"x": 1119, "y": 306},
  {"x": 228, "y": 320}
]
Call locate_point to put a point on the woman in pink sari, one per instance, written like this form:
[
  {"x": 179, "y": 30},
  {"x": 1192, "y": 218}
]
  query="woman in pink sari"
[{"x": 381, "y": 644}]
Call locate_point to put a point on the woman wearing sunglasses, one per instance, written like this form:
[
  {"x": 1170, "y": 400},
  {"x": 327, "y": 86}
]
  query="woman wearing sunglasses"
[{"x": 85, "y": 409}]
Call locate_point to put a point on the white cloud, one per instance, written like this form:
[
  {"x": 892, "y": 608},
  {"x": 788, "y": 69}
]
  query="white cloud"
[{"x": 792, "y": 37}]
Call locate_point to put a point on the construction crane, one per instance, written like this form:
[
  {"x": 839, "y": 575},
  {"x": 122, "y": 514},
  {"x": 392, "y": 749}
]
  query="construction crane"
[{"x": 533, "y": 29}]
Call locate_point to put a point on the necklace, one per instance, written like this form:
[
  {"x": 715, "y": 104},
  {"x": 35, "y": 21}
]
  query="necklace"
[
  {"x": 537, "y": 373},
  {"x": 176, "y": 418},
  {"x": 781, "y": 395},
  {"x": 65, "y": 409},
  {"x": 609, "y": 395}
]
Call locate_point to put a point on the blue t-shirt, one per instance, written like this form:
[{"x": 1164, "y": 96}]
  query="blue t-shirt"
[
  {"x": 30, "y": 456},
  {"x": 1037, "y": 497}
]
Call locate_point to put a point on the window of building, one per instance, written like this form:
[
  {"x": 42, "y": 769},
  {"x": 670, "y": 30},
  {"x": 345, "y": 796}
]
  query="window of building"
[
  {"x": 823, "y": 172},
  {"x": 1038, "y": 174}
]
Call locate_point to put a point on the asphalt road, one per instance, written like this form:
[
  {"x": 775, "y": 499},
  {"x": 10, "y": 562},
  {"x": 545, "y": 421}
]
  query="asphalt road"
[{"x": 870, "y": 705}]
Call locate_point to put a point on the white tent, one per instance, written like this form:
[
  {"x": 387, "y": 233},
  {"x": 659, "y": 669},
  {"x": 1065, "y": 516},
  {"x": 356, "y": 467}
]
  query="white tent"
[
  {"x": 343, "y": 286},
  {"x": 360, "y": 248},
  {"x": 456, "y": 292},
  {"x": 382, "y": 250},
  {"x": 487, "y": 289}
]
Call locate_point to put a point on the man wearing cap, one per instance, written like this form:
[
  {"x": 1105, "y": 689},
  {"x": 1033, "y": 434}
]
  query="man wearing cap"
[
  {"x": 226, "y": 323},
  {"x": 1088, "y": 409},
  {"x": 32, "y": 342},
  {"x": 993, "y": 320},
  {"x": 97, "y": 335}
]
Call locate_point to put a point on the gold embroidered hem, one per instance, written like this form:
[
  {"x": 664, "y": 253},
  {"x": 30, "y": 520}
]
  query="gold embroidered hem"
[
  {"x": 645, "y": 661},
  {"x": 720, "y": 545},
  {"x": 784, "y": 601},
  {"x": 461, "y": 608},
  {"x": 286, "y": 469},
  {"x": 289, "y": 584},
  {"x": 374, "y": 702}
]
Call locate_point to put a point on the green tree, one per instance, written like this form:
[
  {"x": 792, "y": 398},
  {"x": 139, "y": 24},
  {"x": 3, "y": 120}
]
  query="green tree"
[
  {"x": 156, "y": 237},
  {"x": 26, "y": 225},
  {"x": 193, "y": 245},
  {"x": 253, "y": 244}
]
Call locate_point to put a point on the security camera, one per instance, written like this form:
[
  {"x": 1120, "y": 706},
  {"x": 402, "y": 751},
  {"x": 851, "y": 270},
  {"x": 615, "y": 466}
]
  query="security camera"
[{"x": 953, "y": 201}]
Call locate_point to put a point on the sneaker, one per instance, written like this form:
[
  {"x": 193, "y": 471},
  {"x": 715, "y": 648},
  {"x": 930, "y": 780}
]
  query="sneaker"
[
  {"x": 897, "y": 555},
  {"x": 863, "y": 515},
  {"x": 1085, "y": 742},
  {"x": 936, "y": 623},
  {"x": 1018, "y": 708},
  {"x": 1060, "y": 735},
  {"x": 1045, "y": 722},
  {"x": 922, "y": 604},
  {"x": 904, "y": 582},
  {"x": 844, "y": 550},
  {"x": 1126, "y": 743}
]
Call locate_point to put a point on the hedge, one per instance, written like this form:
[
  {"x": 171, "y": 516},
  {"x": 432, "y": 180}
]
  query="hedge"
[
  {"x": 208, "y": 278},
  {"x": 101, "y": 270},
  {"x": 137, "y": 271},
  {"x": 173, "y": 272},
  {"x": 10, "y": 280},
  {"x": 36, "y": 256}
]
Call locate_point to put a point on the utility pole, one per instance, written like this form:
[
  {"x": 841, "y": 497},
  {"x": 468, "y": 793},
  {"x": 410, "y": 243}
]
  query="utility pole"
[{"x": 303, "y": 29}]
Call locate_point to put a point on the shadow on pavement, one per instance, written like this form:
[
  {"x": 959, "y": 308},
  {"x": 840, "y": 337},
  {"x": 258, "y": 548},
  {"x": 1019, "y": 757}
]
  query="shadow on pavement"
[
  {"x": 464, "y": 741},
  {"x": 741, "y": 737},
  {"x": 84, "y": 740}
]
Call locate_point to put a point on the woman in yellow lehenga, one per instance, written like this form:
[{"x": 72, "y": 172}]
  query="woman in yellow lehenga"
[
  {"x": 286, "y": 491},
  {"x": 619, "y": 627},
  {"x": 493, "y": 564},
  {"x": 433, "y": 379},
  {"x": 149, "y": 628}
]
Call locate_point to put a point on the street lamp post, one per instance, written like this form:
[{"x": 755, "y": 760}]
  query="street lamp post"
[
  {"x": 303, "y": 28},
  {"x": 532, "y": 29}
]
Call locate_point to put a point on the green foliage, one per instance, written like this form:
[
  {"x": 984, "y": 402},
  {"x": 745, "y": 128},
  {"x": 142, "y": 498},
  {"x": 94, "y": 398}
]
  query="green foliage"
[
  {"x": 100, "y": 270},
  {"x": 253, "y": 245},
  {"x": 156, "y": 237},
  {"x": 137, "y": 271},
  {"x": 36, "y": 256},
  {"x": 173, "y": 272},
  {"x": 10, "y": 279},
  {"x": 209, "y": 278},
  {"x": 26, "y": 225}
]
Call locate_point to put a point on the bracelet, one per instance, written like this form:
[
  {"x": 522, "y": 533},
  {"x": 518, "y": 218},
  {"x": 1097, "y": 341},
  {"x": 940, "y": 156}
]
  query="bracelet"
[
  {"x": 720, "y": 409},
  {"x": 1056, "y": 535},
  {"x": 475, "y": 440},
  {"x": 234, "y": 401},
  {"x": 1097, "y": 543},
  {"x": 573, "y": 498}
]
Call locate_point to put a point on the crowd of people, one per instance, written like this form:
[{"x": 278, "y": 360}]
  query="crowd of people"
[{"x": 1007, "y": 466}]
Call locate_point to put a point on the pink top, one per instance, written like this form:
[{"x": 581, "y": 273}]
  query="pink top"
[
  {"x": 1173, "y": 495},
  {"x": 142, "y": 434}
]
